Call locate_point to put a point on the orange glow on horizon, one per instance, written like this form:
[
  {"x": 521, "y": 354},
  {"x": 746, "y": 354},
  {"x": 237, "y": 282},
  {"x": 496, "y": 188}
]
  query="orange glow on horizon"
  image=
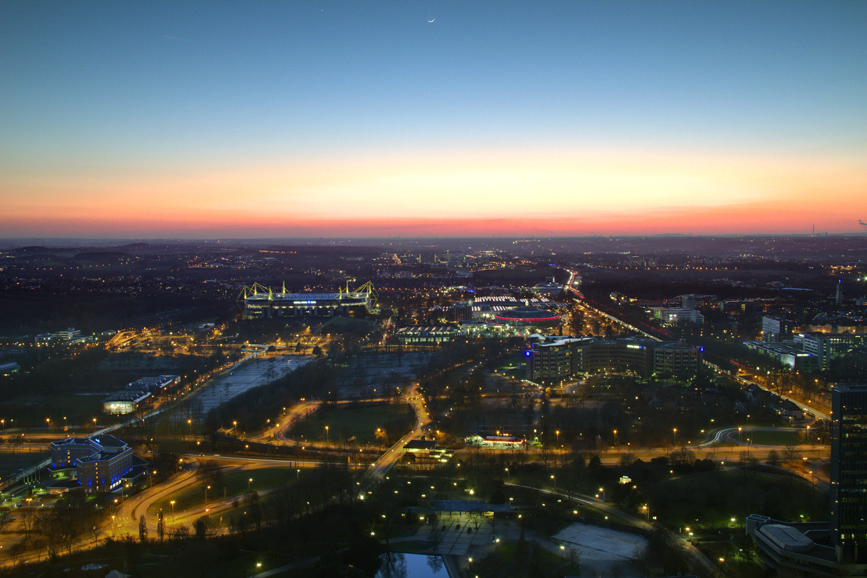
[{"x": 482, "y": 194}]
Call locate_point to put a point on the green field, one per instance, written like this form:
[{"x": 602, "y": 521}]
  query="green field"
[
  {"x": 77, "y": 408},
  {"x": 506, "y": 561},
  {"x": 343, "y": 424},
  {"x": 236, "y": 483},
  {"x": 712, "y": 499}
]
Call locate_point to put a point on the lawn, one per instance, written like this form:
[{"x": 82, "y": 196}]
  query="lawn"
[
  {"x": 710, "y": 500},
  {"x": 344, "y": 424},
  {"x": 507, "y": 561},
  {"x": 235, "y": 482},
  {"x": 77, "y": 408}
]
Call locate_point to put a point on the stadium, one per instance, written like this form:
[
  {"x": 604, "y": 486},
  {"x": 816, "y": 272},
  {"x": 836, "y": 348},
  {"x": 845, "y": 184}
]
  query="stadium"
[{"x": 262, "y": 302}]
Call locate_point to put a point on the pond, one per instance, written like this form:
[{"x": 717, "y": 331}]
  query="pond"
[{"x": 399, "y": 565}]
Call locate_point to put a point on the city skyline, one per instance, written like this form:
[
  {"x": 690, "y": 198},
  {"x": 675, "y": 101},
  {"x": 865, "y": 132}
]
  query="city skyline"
[{"x": 431, "y": 119}]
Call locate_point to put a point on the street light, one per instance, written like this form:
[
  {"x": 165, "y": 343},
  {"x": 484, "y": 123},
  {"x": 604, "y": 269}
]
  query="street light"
[
  {"x": 250, "y": 481},
  {"x": 326, "y": 434},
  {"x": 173, "y": 512}
]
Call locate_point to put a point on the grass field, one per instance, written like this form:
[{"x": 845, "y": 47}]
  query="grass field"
[
  {"x": 504, "y": 562},
  {"x": 343, "y": 424},
  {"x": 236, "y": 483},
  {"x": 75, "y": 407}
]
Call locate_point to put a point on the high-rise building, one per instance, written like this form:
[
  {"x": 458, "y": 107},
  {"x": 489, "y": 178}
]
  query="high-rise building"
[
  {"x": 776, "y": 329},
  {"x": 849, "y": 473}
]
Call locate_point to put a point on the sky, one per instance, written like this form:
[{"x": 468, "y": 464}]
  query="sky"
[{"x": 426, "y": 118}]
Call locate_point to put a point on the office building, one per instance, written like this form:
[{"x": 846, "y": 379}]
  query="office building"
[
  {"x": 849, "y": 472},
  {"x": 776, "y": 329},
  {"x": 98, "y": 463},
  {"x": 557, "y": 358}
]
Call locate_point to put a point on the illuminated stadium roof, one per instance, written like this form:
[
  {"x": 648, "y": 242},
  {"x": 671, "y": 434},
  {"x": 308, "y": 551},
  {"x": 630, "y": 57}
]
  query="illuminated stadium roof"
[{"x": 527, "y": 316}]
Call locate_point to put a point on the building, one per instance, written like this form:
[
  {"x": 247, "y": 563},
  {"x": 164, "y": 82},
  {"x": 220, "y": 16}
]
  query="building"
[
  {"x": 68, "y": 334},
  {"x": 153, "y": 384},
  {"x": 497, "y": 442},
  {"x": 848, "y": 467},
  {"x": 527, "y": 317},
  {"x": 776, "y": 329},
  {"x": 677, "y": 315},
  {"x": 787, "y": 353},
  {"x": 263, "y": 303},
  {"x": 490, "y": 307},
  {"x": 826, "y": 346},
  {"x": 802, "y": 549},
  {"x": 427, "y": 335},
  {"x": 554, "y": 359},
  {"x": 124, "y": 401},
  {"x": 674, "y": 358},
  {"x": 99, "y": 463},
  {"x": 549, "y": 289},
  {"x": 837, "y": 547}
]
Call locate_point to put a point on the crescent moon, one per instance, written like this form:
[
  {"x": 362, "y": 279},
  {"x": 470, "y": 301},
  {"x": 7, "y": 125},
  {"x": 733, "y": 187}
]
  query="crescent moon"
[{"x": 432, "y": 20}]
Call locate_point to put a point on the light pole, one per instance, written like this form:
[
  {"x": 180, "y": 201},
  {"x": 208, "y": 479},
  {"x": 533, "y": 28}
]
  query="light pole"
[
  {"x": 249, "y": 481},
  {"x": 558, "y": 438},
  {"x": 326, "y": 434},
  {"x": 173, "y": 512},
  {"x": 674, "y": 437}
]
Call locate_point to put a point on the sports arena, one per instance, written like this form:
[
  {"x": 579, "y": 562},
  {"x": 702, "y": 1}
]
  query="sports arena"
[{"x": 262, "y": 302}]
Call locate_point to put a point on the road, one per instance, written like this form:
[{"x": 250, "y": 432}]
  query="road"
[
  {"x": 806, "y": 408},
  {"x": 295, "y": 414},
  {"x": 378, "y": 470}
]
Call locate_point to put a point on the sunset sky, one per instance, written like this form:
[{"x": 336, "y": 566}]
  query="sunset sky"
[{"x": 426, "y": 118}]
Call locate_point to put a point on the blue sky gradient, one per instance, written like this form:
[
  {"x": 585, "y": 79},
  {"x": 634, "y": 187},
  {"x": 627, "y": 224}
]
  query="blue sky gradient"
[{"x": 107, "y": 92}]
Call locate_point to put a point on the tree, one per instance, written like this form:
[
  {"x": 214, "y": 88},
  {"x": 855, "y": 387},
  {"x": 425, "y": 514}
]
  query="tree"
[
  {"x": 435, "y": 537},
  {"x": 773, "y": 458},
  {"x": 476, "y": 518},
  {"x": 142, "y": 529},
  {"x": 201, "y": 528}
]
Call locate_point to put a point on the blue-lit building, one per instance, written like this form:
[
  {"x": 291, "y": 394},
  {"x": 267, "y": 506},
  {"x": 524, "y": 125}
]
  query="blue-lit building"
[{"x": 99, "y": 463}]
